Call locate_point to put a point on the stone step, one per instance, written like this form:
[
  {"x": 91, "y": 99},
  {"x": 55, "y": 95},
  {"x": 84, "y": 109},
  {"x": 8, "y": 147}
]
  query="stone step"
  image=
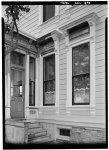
[
  {"x": 35, "y": 130},
  {"x": 41, "y": 139},
  {"x": 35, "y": 135},
  {"x": 34, "y": 125}
]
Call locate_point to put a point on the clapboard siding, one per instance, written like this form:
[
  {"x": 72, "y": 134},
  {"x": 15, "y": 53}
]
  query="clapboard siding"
[
  {"x": 100, "y": 63},
  {"x": 100, "y": 87},
  {"x": 100, "y": 38},
  {"x": 100, "y": 26},
  {"x": 99, "y": 81},
  {"x": 99, "y": 51},
  {"x": 100, "y": 100},
  {"x": 63, "y": 82},
  {"x": 100, "y": 57},
  {"x": 100, "y": 69},
  {"x": 100, "y": 32},
  {"x": 100, "y": 94},
  {"x": 100, "y": 66},
  {"x": 78, "y": 116},
  {"x": 100, "y": 75}
]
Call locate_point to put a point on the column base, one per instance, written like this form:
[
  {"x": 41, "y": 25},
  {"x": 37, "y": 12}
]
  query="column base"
[{"x": 7, "y": 112}]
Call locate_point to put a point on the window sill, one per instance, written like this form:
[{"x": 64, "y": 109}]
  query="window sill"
[
  {"x": 33, "y": 107},
  {"x": 47, "y": 107}
]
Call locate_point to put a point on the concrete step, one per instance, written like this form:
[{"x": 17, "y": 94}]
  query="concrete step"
[
  {"x": 35, "y": 135},
  {"x": 42, "y": 139},
  {"x": 35, "y": 130}
]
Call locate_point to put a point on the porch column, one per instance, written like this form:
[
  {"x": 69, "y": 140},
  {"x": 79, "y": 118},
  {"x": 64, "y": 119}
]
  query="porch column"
[
  {"x": 36, "y": 81},
  {"x": 7, "y": 86},
  {"x": 27, "y": 86}
]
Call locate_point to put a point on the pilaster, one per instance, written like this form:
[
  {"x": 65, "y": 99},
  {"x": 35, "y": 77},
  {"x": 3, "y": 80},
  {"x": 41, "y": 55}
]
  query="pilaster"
[
  {"x": 92, "y": 66},
  {"x": 7, "y": 85},
  {"x": 27, "y": 86},
  {"x": 56, "y": 35}
]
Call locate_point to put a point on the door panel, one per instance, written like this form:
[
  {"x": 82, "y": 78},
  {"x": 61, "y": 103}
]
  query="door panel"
[{"x": 17, "y": 93}]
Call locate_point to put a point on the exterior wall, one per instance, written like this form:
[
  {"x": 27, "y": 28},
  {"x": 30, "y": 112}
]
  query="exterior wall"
[{"x": 78, "y": 115}]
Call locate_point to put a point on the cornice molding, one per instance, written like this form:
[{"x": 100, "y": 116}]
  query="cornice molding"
[
  {"x": 26, "y": 45},
  {"x": 90, "y": 18}
]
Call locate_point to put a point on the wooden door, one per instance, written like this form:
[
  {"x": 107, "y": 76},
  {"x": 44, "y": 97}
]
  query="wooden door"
[{"x": 17, "y": 93}]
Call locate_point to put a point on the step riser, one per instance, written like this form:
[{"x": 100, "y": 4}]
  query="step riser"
[
  {"x": 40, "y": 139},
  {"x": 44, "y": 141},
  {"x": 35, "y": 130},
  {"x": 37, "y": 135},
  {"x": 33, "y": 125}
]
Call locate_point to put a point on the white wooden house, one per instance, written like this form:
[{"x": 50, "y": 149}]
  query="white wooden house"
[{"x": 56, "y": 75}]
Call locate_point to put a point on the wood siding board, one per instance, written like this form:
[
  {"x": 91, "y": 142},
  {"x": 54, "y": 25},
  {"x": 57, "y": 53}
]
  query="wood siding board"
[
  {"x": 100, "y": 63},
  {"x": 100, "y": 94},
  {"x": 62, "y": 96},
  {"x": 100, "y": 26},
  {"x": 100, "y": 69},
  {"x": 100, "y": 44},
  {"x": 100, "y": 38},
  {"x": 100, "y": 87},
  {"x": 100, "y": 32},
  {"x": 100, "y": 106},
  {"x": 100, "y": 75},
  {"x": 100, "y": 81},
  {"x": 100, "y": 100},
  {"x": 100, "y": 57},
  {"x": 100, "y": 50}
]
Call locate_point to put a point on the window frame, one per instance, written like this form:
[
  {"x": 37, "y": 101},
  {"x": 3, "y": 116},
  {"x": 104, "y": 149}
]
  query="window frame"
[
  {"x": 30, "y": 103},
  {"x": 41, "y": 14},
  {"x": 44, "y": 20},
  {"x": 74, "y": 103},
  {"x": 50, "y": 55}
]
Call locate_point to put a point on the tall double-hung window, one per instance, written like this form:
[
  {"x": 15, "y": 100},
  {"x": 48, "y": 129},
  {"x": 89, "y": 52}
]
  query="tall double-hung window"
[
  {"x": 49, "y": 80},
  {"x": 48, "y": 12},
  {"x": 80, "y": 65},
  {"x": 81, "y": 74}
]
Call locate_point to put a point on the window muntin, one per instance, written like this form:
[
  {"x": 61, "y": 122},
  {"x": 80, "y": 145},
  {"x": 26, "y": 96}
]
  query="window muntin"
[
  {"x": 48, "y": 12},
  {"x": 81, "y": 74},
  {"x": 32, "y": 82},
  {"x": 49, "y": 80}
]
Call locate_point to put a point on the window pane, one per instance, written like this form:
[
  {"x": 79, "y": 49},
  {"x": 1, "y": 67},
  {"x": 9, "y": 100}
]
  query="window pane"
[
  {"x": 49, "y": 68},
  {"x": 32, "y": 93},
  {"x": 48, "y": 12},
  {"x": 32, "y": 69},
  {"x": 32, "y": 82},
  {"x": 17, "y": 58},
  {"x": 49, "y": 98},
  {"x": 81, "y": 89},
  {"x": 81, "y": 61},
  {"x": 16, "y": 83}
]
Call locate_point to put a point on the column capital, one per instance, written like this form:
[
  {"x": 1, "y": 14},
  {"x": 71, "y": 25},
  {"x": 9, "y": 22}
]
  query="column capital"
[
  {"x": 91, "y": 23},
  {"x": 56, "y": 34}
]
